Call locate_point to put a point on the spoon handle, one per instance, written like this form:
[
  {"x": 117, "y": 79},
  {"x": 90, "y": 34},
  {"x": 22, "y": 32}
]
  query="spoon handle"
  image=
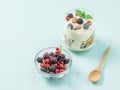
[{"x": 103, "y": 58}]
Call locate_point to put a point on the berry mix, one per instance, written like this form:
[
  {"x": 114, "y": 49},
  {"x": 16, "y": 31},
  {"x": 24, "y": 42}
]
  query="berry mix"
[
  {"x": 79, "y": 20},
  {"x": 53, "y": 62}
]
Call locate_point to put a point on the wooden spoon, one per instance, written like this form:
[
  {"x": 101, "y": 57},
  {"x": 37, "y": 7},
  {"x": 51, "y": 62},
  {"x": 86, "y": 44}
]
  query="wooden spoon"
[{"x": 95, "y": 75}]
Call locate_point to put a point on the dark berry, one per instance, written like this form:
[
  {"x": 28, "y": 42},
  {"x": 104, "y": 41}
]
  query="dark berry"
[
  {"x": 66, "y": 61},
  {"x": 70, "y": 26},
  {"x": 45, "y": 56},
  {"x": 56, "y": 55},
  {"x": 43, "y": 69},
  {"x": 62, "y": 57},
  {"x": 52, "y": 68},
  {"x": 54, "y": 60},
  {"x": 85, "y": 26},
  {"x": 80, "y": 21},
  {"x": 67, "y": 18},
  {"x": 39, "y": 60},
  {"x": 51, "y": 54},
  {"x": 70, "y": 15}
]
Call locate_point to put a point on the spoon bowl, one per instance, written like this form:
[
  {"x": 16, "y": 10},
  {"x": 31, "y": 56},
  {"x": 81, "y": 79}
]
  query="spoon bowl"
[{"x": 94, "y": 76}]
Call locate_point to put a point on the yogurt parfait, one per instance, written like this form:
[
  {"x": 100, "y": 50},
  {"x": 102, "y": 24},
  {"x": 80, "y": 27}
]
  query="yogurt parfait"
[{"x": 79, "y": 30}]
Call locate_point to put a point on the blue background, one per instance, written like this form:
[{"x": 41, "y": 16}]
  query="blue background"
[{"x": 26, "y": 26}]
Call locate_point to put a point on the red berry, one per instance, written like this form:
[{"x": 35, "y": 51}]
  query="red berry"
[
  {"x": 67, "y": 18},
  {"x": 55, "y": 64},
  {"x": 47, "y": 65},
  {"x": 47, "y": 61},
  {"x": 57, "y": 48},
  {"x": 58, "y": 67},
  {"x": 58, "y": 52},
  {"x": 42, "y": 65},
  {"x": 57, "y": 71},
  {"x": 58, "y": 63},
  {"x": 61, "y": 70},
  {"x": 46, "y": 53},
  {"x": 61, "y": 62},
  {"x": 61, "y": 66},
  {"x": 89, "y": 23}
]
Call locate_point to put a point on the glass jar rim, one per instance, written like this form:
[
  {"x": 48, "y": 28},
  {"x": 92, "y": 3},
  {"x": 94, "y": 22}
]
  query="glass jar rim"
[{"x": 84, "y": 9}]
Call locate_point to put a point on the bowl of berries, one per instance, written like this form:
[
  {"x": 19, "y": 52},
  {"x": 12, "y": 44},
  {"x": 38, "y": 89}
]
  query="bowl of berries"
[{"x": 53, "y": 62}]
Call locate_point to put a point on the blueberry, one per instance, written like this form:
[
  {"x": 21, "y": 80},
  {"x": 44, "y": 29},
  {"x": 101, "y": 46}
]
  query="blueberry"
[
  {"x": 54, "y": 60},
  {"x": 52, "y": 68},
  {"x": 66, "y": 61},
  {"x": 70, "y": 26},
  {"x": 51, "y": 54},
  {"x": 70, "y": 15},
  {"x": 43, "y": 69},
  {"x": 39, "y": 60},
  {"x": 80, "y": 21},
  {"x": 85, "y": 26},
  {"x": 45, "y": 56},
  {"x": 62, "y": 57}
]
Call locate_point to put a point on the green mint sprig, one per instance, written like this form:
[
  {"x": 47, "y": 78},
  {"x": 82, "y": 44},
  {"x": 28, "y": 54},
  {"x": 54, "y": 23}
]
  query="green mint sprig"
[{"x": 83, "y": 14}]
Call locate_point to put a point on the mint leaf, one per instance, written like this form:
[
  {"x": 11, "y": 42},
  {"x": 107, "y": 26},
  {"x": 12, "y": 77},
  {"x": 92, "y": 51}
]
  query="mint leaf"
[
  {"x": 79, "y": 13},
  {"x": 83, "y": 15},
  {"x": 88, "y": 16}
]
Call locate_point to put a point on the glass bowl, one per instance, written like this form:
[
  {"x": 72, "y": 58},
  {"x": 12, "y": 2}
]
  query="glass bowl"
[{"x": 53, "y": 75}]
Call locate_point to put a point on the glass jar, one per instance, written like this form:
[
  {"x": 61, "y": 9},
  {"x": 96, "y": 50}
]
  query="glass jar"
[{"x": 79, "y": 31}]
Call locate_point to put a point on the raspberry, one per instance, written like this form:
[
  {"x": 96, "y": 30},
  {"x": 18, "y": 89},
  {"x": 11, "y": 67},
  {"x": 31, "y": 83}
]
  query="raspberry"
[
  {"x": 42, "y": 65},
  {"x": 57, "y": 71},
  {"x": 47, "y": 61},
  {"x": 55, "y": 65},
  {"x": 61, "y": 70},
  {"x": 67, "y": 18},
  {"x": 47, "y": 66},
  {"x": 89, "y": 23},
  {"x": 61, "y": 66}
]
